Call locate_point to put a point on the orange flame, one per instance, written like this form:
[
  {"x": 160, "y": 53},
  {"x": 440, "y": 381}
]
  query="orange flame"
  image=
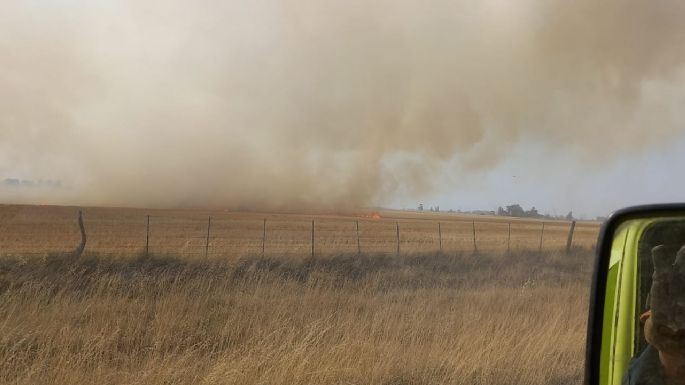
[{"x": 375, "y": 216}]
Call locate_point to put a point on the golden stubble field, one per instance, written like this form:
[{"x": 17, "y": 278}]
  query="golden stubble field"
[{"x": 40, "y": 230}]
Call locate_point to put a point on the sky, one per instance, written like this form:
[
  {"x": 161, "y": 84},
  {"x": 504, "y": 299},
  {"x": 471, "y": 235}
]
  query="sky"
[
  {"x": 556, "y": 184},
  {"x": 254, "y": 105}
]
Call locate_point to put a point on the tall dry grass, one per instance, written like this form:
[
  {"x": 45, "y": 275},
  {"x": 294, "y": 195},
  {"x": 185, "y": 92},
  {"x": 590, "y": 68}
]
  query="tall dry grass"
[{"x": 432, "y": 319}]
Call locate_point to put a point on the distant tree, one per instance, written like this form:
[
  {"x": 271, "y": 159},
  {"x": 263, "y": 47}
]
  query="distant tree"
[
  {"x": 516, "y": 211},
  {"x": 11, "y": 182},
  {"x": 420, "y": 206},
  {"x": 532, "y": 213},
  {"x": 501, "y": 212},
  {"x": 437, "y": 209},
  {"x": 569, "y": 216}
]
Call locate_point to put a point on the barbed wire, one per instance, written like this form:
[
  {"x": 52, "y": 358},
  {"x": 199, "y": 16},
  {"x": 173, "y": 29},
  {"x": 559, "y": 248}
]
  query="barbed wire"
[{"x": 198, "y": 236}]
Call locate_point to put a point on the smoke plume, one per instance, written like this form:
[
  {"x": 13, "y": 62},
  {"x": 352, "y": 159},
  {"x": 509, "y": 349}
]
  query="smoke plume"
[{"x": 288, "y": 103}]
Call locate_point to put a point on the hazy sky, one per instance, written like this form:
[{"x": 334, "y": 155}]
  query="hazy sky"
[
  {"x": 555, "y": 183},
  {"x": 565, "y": 105}
]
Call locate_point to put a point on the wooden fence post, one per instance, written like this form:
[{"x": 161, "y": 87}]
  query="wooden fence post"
[
  {"x": 440, "y": 236},
  {"x": 569, "y": 240},
  {"x": 82, "y": 246},
  {"x": 312, "y": 239},
  {"x": 209, "y": 226},
  {"x": 542, "y": 233},
  {"x": 147, "y": 237},
  {"x": 475, "y": 246},
  {"x": 397, "y": 226},
  {"x": 509, "y": 240},
  {"x": 264, "y": 238},
  {"x": 359, "y": 248}
]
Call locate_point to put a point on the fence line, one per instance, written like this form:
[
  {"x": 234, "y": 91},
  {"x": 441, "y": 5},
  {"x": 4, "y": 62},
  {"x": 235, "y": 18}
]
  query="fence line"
[{"x": 178, "y": 235}]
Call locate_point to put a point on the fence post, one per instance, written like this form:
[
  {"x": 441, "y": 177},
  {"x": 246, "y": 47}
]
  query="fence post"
[
  {"x": 397, "y": 226},
  {"x": 312, "y": 239},
  {"x": 264, "y": 238},
  {"x": 440, "y": 236},
  {"x": 509, "y": 240},
  {"x": 147, "y": 237},
  {"x": 569, "y": 240},
  {"x": 475, "y": 247},
  {"x": 209, "y": 225},
  {"x": 359, "y": 248},
  {"x": 82, "y": 246},
  {"x": 542, "y": 233}
]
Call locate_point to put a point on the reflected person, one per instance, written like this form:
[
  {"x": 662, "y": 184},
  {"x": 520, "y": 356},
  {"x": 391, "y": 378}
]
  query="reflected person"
[{"x": 663, "y": 361}]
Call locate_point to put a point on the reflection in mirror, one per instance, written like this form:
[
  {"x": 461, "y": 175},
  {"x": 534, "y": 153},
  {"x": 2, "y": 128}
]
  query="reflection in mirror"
[{"x": 659, "y": 341}]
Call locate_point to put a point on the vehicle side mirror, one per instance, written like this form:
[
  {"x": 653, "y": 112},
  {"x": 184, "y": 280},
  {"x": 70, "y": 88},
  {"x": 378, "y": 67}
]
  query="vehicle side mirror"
[{"x": 636, "y": 325}]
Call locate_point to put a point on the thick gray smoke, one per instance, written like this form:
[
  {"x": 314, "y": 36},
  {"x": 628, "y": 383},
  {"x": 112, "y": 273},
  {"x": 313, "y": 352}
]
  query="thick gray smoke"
[{"x": 285, "y": 103}]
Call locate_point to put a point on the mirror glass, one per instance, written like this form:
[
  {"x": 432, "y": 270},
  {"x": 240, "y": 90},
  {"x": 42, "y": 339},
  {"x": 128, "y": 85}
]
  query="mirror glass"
[{"x": 643, "y": 336}]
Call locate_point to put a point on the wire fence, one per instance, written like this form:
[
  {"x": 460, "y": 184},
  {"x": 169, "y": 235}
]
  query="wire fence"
[{"x": 223, "y": 236}]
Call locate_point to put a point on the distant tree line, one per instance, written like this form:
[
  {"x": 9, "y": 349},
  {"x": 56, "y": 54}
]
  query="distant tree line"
[
  {"x": 13, "y": 182},
  {"x": 519, "y": 212},
  {"x": 514, "y": 210},
  {"x": 435, "y": 209}
]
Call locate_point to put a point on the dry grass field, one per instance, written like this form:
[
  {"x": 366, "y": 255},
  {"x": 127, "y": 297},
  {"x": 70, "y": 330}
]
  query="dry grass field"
[
  {"x": 115, "y": 316},
  {"x": 41, "y": 230},
  {"x": 384, "y": 320}
]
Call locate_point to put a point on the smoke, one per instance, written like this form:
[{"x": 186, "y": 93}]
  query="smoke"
[{"x": 288, "y": 103}]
